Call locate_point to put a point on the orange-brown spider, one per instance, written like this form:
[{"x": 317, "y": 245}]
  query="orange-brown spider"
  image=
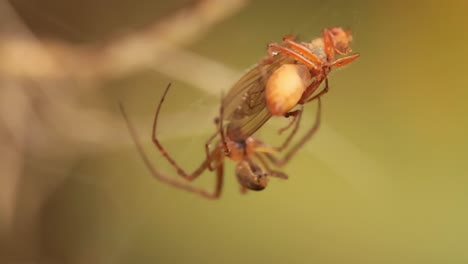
[
  {"x": 251, "y": 155},
  {"x": 291, "y": 84},
  {"x": 288, "y": 77}
]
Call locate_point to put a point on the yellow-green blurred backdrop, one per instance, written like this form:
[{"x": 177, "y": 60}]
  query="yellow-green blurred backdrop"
[{"x": 384, "y": 181}]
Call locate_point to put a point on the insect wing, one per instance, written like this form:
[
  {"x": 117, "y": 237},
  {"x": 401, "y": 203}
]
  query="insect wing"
[{"x": 244, "y": 105}]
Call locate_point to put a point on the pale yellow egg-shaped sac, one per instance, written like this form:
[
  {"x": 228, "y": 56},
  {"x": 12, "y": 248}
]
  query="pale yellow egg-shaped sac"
[{"x": 285, "y": 87}]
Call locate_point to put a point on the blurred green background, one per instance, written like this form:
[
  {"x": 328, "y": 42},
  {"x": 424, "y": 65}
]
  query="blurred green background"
[{"x": 384, "y": 181}]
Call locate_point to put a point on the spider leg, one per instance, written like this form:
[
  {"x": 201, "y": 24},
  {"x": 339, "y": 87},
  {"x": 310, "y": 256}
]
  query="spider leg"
[
  {"x": 294, "y": 115},
  {"x": 271, "y": 172},
  {"x": 289, "y": 37},
  {"x": 316, "y": 83},
  {"x": 304, "y": 51},
  {"x": 328, "y": 44},
  {"x": 272, "y": 52},
  {"x": 207, "y": 149},
  {"x": 262, "y": 147},
  {"x": 297, "y": 121},
  {"x": 324, "y": 91},
  {"x": 312, "y": 88},
  {"x": 272, "y": 47},
  {"x": 219, "y": 178},
  {"x": 287, "y": 157},
  {"x": 205, "y": 164},
  {"x": 216, "y": 155},
  {"x": 345, "y": 60}
]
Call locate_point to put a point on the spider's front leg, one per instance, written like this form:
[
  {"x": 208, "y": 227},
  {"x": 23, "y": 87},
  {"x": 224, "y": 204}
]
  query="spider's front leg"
[
  {"x": 328, "y": 44},
  {"x": 306, "y": 59},
  {"x": 272, "y": 52},
  {"x": 345, "y": 60}
]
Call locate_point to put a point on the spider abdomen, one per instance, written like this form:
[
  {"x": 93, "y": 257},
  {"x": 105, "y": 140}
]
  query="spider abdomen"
[{"x": 285, "y": 87}]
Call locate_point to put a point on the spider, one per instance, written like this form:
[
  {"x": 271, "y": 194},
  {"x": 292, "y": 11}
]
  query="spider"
[
  {"x": 251, "y": 155},
  {"x": 288, "y": 76},
  {"x": 287, "y": 86}
]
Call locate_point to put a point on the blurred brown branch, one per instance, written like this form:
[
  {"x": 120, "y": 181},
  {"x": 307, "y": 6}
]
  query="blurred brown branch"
[
  {"x": 40, "y": 81},
  {"x": 53, "y": 59},
  {"x": 55, "y": 66}
]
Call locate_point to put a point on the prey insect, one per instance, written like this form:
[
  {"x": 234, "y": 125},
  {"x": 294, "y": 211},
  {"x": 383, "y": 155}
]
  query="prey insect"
[
  {"x": 253, "y": 158},
  {"x": 289, "y": 76}
]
